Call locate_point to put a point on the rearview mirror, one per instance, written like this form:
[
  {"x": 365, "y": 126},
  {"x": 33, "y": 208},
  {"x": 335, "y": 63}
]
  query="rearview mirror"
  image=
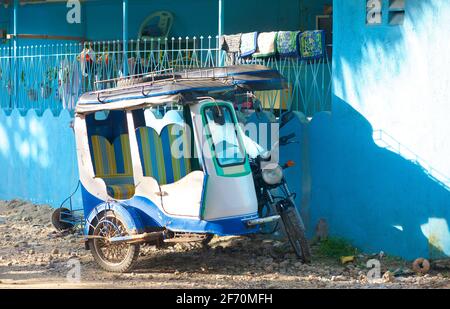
[{"x": 218, "y": 115}]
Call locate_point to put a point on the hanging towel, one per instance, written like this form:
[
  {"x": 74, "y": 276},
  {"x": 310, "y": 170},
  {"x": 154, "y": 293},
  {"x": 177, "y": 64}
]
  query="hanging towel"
[
  {"x": 249, "y": 43},
  {"x": 231, "y": 43},
  {"x": 312, "y": 44},
  {"x": 287, "y": 43},
  {"x": 267, "y": 45}
]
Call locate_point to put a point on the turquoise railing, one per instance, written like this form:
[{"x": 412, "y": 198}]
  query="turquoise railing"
[{"x": 52, "y": 77}]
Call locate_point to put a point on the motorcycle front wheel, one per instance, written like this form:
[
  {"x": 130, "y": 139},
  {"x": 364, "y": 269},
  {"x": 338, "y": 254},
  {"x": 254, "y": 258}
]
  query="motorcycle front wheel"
[{"x": 295, "y": 230}]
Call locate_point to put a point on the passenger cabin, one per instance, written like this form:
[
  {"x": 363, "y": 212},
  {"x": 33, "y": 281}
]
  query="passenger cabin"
[{"x": 141, "y": 135}]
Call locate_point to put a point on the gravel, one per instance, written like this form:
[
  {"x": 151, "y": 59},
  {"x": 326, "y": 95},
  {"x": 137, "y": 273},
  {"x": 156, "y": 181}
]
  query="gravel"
[{"x": 33, "y": 254}]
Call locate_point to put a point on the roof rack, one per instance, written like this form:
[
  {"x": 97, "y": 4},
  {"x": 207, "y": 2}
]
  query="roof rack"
[
  {"x": 152, "y": 76},
  {"x": 171, "y": 82},
  {"x": 204, "y": 73}
]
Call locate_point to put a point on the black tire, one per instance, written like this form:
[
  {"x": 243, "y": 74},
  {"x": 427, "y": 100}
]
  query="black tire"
[
  {"x": 127, "y": 260},
  {"x": 56, "y": 220},
  {"x": 295, "y": 230}
]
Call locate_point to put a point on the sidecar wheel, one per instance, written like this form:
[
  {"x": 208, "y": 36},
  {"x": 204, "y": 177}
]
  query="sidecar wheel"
[
  {"x": 117, "y": 258},
  {"x": 207, "y": 240},
  {"x": 56, "y": 220}
]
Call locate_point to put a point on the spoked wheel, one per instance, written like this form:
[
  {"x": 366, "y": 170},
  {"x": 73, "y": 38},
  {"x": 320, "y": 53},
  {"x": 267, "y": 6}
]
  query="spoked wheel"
[
  {"x": 295, "y": 230},
  {"x": 117, "y": 257}
]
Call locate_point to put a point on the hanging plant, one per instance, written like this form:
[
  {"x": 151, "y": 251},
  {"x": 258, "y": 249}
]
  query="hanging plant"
[
  {"x": 46, "y": 86},
  {"x": 22, "y": 77},
  {"x": 46, "y": 91},
  {"x": 10, "y": 88},
  {"x": 31, "y": 92}
]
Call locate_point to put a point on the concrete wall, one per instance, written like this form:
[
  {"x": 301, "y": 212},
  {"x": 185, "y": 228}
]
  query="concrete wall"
[
  {"x": 37, "y": 158},
  {"x": 394, "y": 79}
]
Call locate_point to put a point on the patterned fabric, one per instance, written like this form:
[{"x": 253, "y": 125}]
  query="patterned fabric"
[
  {"x": 164, "y": 157},
  {"x": 122, "y": 151},
  {"x": 249, "y": 43},
  {"x": 113, "y": 164},
  {"x": 121, "y": 192},
  {"x": 104, "y": 158},
  {"x": 267, "y": 45},
  {"x": 231, "y": 43},
  {"x": 287, "y": 43},
  {"x": 312, "y": 44},
  {"x": 112, "y": 160}
]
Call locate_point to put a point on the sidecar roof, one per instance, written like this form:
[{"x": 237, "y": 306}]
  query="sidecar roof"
[{"x": 182, "y": 88}]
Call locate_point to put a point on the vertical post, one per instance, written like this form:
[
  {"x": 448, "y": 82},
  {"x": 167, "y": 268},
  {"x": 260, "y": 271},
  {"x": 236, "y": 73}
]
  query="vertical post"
[
  {"x": 125, "y": 37},
  {"x": 15, "y": 69},
  {"x": 221, "y": 29}
]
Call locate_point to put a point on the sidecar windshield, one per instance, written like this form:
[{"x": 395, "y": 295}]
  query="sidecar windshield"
[{"x": 224, "y": 137}]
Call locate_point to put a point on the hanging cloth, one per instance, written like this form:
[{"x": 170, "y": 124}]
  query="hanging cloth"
[
  {"x": 312, "y": 44},
  {"x": 231, "y": 45},
  {"x": 86, "y": 60},
  {"x": 249, "y": 44},
  {"x": 267, "y": 45},
  {"x": 287, "y": 43}
]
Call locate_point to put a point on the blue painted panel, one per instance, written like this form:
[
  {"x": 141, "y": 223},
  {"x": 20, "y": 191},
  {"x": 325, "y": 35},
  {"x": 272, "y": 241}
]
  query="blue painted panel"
[
  {"x": 298, "y": 177},
  {"x": 38, "y": 159}
]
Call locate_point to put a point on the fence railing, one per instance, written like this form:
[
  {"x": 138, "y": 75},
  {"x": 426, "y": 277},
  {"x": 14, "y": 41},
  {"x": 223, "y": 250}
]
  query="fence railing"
[{"x": 54, "y": 76}]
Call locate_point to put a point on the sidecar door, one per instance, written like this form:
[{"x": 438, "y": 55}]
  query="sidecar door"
[{"x": 229, "y": 187}]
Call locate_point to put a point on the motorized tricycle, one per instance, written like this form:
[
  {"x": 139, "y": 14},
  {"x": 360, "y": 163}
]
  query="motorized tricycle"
[{"x": 162, "y": 159}]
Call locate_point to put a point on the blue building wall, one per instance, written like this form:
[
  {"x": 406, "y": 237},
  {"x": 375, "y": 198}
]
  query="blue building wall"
[
  {"x": 387, "y": 191},
  {"x": 102, "y": 20}
]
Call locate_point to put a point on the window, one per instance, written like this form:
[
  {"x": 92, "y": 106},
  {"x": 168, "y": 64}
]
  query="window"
[
  {"x": 223, "y": 136},
  {"x": 325, "y": 23},
  {"x": 396, "y": 12}
]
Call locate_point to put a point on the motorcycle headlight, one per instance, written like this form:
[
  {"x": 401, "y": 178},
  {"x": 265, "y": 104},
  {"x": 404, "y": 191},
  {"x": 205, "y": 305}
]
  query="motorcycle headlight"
[{"x": 272, "y": 175}]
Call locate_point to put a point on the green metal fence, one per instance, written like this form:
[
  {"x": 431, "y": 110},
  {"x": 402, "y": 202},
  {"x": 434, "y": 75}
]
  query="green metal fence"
[{"x": 54, "y": 76}]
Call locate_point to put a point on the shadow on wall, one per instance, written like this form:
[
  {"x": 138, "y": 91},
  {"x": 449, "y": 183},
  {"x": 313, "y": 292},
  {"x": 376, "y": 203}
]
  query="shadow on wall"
[
  {"x": 37, "y": 157},
  {"x": 392, "y": 79},
  {"x": 372, "y": 196}
]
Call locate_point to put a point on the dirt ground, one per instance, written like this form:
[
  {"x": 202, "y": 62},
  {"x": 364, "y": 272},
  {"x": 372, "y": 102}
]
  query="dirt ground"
[{"x": 34, "y": 255}]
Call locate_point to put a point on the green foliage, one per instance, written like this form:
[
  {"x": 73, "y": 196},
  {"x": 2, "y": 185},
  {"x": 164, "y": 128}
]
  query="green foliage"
[{"x": 336, "y": 248}]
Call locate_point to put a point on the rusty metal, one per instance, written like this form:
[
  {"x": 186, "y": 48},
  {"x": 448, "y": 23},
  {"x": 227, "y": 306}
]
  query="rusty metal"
[
  {"x": 129, "y": 239},
  {"x": 186, "y": 238}
]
